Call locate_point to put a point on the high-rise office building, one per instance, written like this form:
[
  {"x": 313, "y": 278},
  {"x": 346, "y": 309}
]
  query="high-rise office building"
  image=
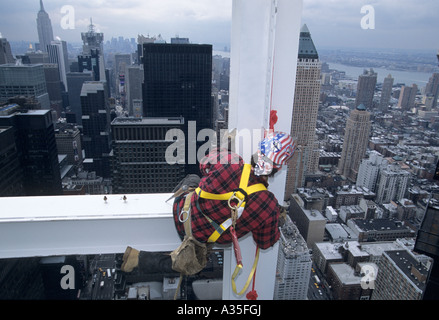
[
  {"x": 91, "y": 62},
  {"x": 24, "y": 80},
  {"x": 11, "y": 173},
  {"x": 5, "y": 52},
  {"x": 75, "y": 80},
  {"x": 58, "y": 54},
  {"x": 293, "y": 265},
  {"x": 392, "y": 185},
  {"x": 139, "y": 163},
  {"x": 178, "y": 82},
  {"x": 134, "y": 81},
  {"x": 432, "y": 88},
  {"x": 35, "y": 139},
  {"x": 366, "y": 88},
  {"x": 44, "y": 26},
  {"x": 93, "y": 42},
  {"x": 304, "y": 119},
  {"x": 122, "y": 61},
  {"x": 386, "y": 93},
  {"x": 55, "y": 87},
  {"x": 427, "y": 243},
  {"x": 400, "y": 277},
  {"x": 369, "y": 170},
  {"x": 407, "y": 97},
  {"x": 355, "y": 142},
  {"x": 96, "y": 124}
]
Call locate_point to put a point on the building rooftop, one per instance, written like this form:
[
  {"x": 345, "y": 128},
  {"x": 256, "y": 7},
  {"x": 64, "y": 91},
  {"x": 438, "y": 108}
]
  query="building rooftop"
[
  {"x": 330, "y": 250},
  {"x": 345, "y": 273},
  {"x": 148, "y": 121},
  {"x": 413, "y": 270},
  {"x": 293, "y": 242},
  {"x": 379, "y": 224},
  {"x": 307, "y": 50}
]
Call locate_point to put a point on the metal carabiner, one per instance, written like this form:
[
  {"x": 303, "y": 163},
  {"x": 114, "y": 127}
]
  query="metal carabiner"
[
  {"x": 181, "y": 215},
  {"x": 234, "y": 197}
]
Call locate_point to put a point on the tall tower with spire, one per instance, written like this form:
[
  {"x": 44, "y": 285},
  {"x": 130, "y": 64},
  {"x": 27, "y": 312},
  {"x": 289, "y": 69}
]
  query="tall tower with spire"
[
  {"x": 44, "y": 26},
  {"x": 93, "y": 45},
  {"x": 305, "y": 108},
  {"x": 92, "y": 40}
]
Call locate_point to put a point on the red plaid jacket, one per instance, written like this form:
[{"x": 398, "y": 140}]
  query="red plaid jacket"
[{"x": 221, "y": 173}]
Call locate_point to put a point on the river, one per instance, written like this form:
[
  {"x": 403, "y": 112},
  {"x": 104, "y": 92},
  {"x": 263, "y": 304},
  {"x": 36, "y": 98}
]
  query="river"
[{"x": 407, "y": 77}]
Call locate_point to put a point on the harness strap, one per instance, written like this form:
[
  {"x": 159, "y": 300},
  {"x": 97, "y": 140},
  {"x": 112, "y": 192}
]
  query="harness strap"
[
  {"x": 187, "y": 210},
  {"x": 250, "y": 276},
  {"x": 239, "y": 194}
]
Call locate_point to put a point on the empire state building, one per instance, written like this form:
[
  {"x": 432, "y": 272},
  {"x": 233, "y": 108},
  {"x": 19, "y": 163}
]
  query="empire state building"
[{"x": 44, "y": 25}]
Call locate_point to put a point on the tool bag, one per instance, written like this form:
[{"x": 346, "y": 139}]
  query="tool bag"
[{"x": 191, "y": 256}]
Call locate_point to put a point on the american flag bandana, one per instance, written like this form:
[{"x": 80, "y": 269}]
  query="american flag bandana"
[{"x": 274, "y": 151}]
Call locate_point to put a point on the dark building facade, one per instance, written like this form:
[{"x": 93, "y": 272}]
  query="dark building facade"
[
  {"x": 91, "y": 62},
  {"x": 427, "y": 242},
  {"x": 35, "y": 139},
  {"x": 11, "y": 173},
  {"x": 366, "y": 88},
  {"x": 75, "y": 80},
  {"x": 139, "y": 163},
  {"x": 178, "y": 83},
  {"x": 96, "y": 126}
]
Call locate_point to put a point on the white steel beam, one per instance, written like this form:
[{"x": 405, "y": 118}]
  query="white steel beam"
[
  {"x": 264, "y": 49},
  {"x": 68, "y": 225}
]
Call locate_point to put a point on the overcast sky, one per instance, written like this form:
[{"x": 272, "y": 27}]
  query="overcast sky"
[{"x": 407, "y": 24}]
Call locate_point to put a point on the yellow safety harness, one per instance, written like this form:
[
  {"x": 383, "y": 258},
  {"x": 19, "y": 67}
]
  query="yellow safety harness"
[{"x": 239, "y": 196}]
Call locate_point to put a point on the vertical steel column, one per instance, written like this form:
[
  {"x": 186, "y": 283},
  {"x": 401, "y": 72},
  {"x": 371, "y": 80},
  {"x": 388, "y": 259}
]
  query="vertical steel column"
[{"x": 264, "y": 48}]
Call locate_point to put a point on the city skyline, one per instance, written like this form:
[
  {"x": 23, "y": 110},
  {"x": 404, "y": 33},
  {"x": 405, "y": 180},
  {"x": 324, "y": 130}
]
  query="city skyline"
[{"x": 337, "y": 23}]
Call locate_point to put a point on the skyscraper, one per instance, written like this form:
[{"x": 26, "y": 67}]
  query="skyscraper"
[
  {"x": 94, "y": 42},
  {"x": 293, "y": 265},
  {"x": 369, "y": 170},
  {"x": 58, "y": 54},
  {"x": 44, "y": 26},
  {"x": 35, "y": 139},
  {"x": 96, "y": 123},
  {"x": 392, "y": 185},
  {"x": 304, "y": 119},
  {"x": 386, "y": 93},
  {"x": 11, "y": 172},
  {"x": 5, "y": 51},
  {"x": 139, "y": 155},
  {"x": 134, "y": 81},
  {"x": 432, "y": 88},
  {"x": 24, "y": 80},
  {"x": 355, "y": 142},
  {"x": 427, "y": 242},
  {"x": 407, "y": 97},
  {"x": 75, "y": 80},
  {"x": 400, "y": 277},
  {"x": 91, "y": 62},
  {"x": 366, "y": 89},
  {"x": 178, "y": 82}
]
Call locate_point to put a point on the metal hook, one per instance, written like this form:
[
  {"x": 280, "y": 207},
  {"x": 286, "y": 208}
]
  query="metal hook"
[{"x": 182, "y": 214}]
